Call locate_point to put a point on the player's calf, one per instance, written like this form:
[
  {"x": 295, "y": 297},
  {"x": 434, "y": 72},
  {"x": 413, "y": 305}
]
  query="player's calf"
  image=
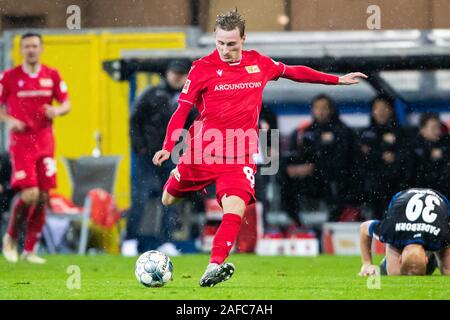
[{"x": 28, "y": 198}]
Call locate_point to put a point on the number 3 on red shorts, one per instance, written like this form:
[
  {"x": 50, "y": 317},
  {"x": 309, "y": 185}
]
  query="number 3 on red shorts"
[
  {"x": 50, "y": 166},
  {"x": 250, "y": 176}
]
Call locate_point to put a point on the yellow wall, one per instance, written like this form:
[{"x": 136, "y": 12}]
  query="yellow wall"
[{"x": 99, "y": 104}]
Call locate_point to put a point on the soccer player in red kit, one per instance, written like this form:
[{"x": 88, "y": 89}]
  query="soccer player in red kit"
[
  {"x": 28, "y": 91},
  {"x": 226, "y": 87}
]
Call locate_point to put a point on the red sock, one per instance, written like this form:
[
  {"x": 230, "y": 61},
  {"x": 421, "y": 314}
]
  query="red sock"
[
  {"x": 225, "y": 237},
  {"x": 35, "y": 224},
  {"x": 19, "y": 214}
]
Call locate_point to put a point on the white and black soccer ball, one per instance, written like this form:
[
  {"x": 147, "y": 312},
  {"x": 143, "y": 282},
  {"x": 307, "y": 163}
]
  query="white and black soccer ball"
[{"x": 153, "y": 269}]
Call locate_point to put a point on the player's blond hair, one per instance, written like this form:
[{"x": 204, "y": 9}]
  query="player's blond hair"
[
  {"x": 229, "y": 21},
  {"x": 414, "y": 261}
]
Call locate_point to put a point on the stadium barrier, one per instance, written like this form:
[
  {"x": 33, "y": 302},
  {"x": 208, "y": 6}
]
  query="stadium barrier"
[{"x": 342, "y": 238}]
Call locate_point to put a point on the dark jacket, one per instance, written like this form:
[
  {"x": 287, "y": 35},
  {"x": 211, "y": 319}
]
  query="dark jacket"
[
  {"x": 429, "y": 164},
  {"x": 148, "y": 123},
  {"x": 379, "y": 174},
  {"x": 152, "y": 112},
  {"x": 5, "y": 177},
  {"x": 329, "y": 147}
]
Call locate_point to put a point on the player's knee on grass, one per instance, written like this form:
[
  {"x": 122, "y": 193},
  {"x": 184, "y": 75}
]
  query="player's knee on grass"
[
  {"x": 233, "y": 204},
  {"x": 30, "y": 195}
]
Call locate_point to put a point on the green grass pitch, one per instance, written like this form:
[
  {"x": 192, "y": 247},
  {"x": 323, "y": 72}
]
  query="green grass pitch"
[{"x": 259, "y": 278}]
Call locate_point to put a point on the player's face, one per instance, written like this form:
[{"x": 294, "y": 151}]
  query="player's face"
[
  {"x": 31, "y": 49},
  {"x": 381, "y": 112},
  {"x": 432, "y": 130},
  {"x": 321, "y": 111},
  {"x": 229, "y": 44},
  {"x": 176, "y": 80}
]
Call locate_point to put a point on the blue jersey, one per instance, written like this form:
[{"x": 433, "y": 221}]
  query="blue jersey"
[{"x": 415, "y": 216}]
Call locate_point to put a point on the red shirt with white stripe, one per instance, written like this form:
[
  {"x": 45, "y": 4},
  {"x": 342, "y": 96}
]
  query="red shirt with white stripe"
[
  {"x": 228, "y": 96},
  {"x": 25, "y": 95}
]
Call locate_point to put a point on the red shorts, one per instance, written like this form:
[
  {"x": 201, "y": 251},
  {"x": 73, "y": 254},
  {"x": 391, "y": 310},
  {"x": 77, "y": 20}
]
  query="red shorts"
[
  {"x": 33, "y": 163},
  {"x": 230, "y": 179}
]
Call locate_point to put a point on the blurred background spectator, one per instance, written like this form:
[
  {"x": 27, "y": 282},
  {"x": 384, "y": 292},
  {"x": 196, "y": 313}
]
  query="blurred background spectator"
[
  {"x": 429, "y": 160},
  {"x": 148, "y": 122},
  {"x": 319, "y": 165},
  {"x": 381, "y": 157}
]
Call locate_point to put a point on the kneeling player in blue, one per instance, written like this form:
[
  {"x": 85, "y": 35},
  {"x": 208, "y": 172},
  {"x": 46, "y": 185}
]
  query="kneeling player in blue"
[{"x": 416, "y": 232}]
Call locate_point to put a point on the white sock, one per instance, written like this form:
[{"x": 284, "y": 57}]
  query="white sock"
[{"x": 211, "y": 265}]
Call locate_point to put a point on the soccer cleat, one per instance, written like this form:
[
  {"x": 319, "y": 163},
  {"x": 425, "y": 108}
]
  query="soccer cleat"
[
  {"x": 32, "y": 258},
  {"x": 215, "y": 274},
  {"x": 9, "y": 249}
]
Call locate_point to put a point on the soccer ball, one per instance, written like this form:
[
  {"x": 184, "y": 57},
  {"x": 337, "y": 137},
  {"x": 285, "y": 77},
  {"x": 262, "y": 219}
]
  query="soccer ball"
[{"x": 153, "y": 269}]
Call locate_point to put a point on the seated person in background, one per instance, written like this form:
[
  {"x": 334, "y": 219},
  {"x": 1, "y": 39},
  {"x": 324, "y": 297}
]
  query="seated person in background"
[
  {"x": 319, "y": 163},
  {"x": 429, "y": 159},
  {"x": 416, "y": 221},
  {"x": 381, "y": 156},
  {"x": 267, "y": 121}
]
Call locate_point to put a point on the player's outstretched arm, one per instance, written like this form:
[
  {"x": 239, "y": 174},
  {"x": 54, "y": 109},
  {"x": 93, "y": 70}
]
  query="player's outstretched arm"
[
  {"x": 309, "y": 75},
  {"x": 367, "y": 268}
]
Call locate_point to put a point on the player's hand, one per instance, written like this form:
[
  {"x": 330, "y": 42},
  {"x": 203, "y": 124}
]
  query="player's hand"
[
  {"x": 160, "y": 157},
  {"x": 50, "y": 111},
  {"x": 368, "y": 270},
  {"x": 351, "y": 78},
  {"x": 175, "y": 173},
  {"x": 16, "y": 125}
]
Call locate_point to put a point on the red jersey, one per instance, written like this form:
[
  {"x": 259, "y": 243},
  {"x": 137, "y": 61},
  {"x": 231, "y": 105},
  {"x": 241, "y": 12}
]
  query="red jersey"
[
  {"x": 25, "y": 95},
  {"x": 228, "y": 97}
]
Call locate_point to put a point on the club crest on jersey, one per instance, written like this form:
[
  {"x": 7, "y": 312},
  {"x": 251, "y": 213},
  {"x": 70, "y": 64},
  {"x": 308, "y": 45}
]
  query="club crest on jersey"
[
  {"x": 20, "y": 83},
  {"x": 252, "y": 69},
  {"x": 46, "y": 82},
  {"x": 186, "y": 86},
  {"x": 219, "y": 72},
  {"x": 20, "y": 175}
]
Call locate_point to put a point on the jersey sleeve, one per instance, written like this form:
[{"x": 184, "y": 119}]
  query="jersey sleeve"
[
  {"x": 4, "y": 91},
  {"x": 194, "y": 85},
  {"x": 60, "y": 88},
  {"x": 176, "y": 124},
  {"x": 274, "y": 69},
  {"x": 309, "y": 75}
]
